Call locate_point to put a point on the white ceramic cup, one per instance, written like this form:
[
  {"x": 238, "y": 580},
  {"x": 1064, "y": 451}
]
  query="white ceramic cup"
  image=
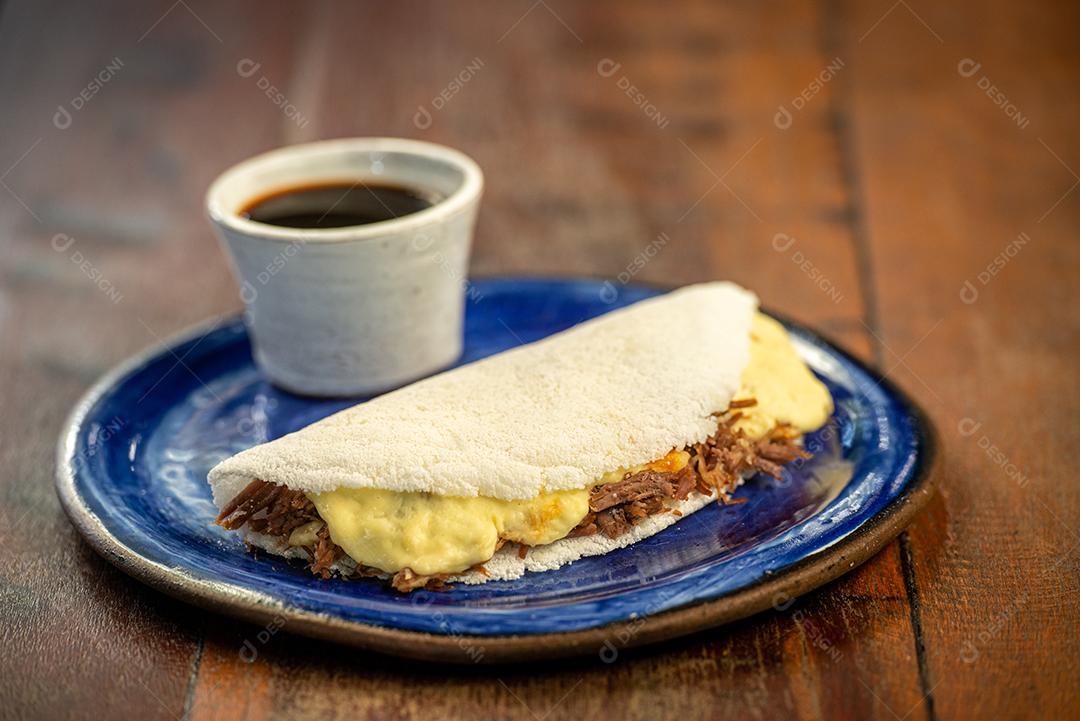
[{"x": 359, "y": 309}]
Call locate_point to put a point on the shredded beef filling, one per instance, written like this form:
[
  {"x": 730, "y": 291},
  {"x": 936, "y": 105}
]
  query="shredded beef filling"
[
  {"x": 716, "y": 467},
  {"x": 324, "y": 554},
  {"x": 277, "y": 511},
  {"x": 268, "y": 508}
]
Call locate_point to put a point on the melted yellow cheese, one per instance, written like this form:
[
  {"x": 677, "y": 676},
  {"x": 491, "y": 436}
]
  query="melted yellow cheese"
[
  {"x": 429, "y": 533},
  {"x": 305, "y": 535},
  {"x": 785, "y": 389}
]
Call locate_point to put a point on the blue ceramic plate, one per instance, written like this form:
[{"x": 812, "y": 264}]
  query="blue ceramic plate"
[{"x": 132, "y": 476}]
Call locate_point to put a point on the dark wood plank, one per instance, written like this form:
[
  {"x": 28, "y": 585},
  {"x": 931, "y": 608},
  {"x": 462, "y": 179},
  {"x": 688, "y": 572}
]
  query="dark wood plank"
[
  {"x": 124, "y": 179},
  {"x": 778, "y": 666},
  {"x": 951, "y": 182}
]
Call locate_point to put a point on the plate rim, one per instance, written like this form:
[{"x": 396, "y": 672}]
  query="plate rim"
[{"x": 811, "y": 572}]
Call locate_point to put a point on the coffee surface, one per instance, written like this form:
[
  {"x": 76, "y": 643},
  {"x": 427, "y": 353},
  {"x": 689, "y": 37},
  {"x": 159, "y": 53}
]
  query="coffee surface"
[{"x": 337, "y": 205}]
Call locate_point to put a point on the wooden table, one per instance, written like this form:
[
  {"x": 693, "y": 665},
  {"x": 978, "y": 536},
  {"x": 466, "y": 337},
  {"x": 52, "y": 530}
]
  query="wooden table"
[{"x": 901, "y": 175}]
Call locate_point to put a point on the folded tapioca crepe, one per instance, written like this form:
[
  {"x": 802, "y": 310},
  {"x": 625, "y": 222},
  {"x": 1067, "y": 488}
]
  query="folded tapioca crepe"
[{"x": 575, "y": 445}]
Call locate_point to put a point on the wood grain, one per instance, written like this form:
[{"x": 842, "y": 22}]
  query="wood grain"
[
  {"x": 897, "y": 180},
  {"x": 998, "y": 607}
]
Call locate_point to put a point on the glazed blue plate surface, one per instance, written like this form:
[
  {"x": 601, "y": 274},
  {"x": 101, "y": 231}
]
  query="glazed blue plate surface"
[{"x": 134, "y": 460}]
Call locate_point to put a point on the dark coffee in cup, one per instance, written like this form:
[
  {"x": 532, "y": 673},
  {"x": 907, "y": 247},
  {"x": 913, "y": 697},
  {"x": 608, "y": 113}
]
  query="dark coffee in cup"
[{"x": 337, "y": 205}]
